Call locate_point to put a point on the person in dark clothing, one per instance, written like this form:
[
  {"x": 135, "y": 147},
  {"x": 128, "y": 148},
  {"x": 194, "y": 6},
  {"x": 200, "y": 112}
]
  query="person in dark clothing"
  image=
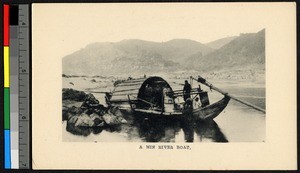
[{"x": 186, "y": 90}]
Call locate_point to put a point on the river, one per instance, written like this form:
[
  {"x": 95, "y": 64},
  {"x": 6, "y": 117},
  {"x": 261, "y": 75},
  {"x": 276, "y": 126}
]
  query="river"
[{"x": 237, "y": 123}]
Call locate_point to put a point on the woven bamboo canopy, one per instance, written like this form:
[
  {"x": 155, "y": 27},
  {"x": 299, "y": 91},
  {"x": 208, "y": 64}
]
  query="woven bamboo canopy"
[{"x": 142, "y": 90}]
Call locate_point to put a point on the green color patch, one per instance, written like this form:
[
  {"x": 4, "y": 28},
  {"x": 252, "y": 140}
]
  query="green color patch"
[{"x": 6, "y": 109}]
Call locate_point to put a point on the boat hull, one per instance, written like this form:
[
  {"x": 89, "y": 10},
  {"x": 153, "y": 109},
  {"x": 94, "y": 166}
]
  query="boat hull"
[
  {"x": 211, "y": 111},
  {"x": 206, "y": 113}
]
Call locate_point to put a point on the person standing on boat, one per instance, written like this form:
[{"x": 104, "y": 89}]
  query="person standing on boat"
[{"x": 186, "y": 90}]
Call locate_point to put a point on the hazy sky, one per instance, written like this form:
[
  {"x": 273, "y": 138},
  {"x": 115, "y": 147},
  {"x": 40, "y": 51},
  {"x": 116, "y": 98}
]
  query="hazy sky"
[{"x": 73, "y": 26}]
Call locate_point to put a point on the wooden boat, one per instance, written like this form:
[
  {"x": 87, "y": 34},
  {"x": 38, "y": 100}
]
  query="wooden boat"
[
  {"x": 153, "y": 96},
  {"x": 208, "y": 112}
]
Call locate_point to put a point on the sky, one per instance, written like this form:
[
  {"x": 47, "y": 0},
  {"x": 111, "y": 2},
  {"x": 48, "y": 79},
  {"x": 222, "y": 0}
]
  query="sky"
[{"x": 71, "y": 27}]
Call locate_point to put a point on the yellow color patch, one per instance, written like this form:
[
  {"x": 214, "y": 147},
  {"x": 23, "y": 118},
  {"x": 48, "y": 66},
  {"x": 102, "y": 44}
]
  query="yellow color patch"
[{"x": 6, "y": 66}]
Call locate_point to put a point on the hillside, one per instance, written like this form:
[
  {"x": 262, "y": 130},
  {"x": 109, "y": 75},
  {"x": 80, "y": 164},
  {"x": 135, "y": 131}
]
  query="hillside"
[
  {"x": 131, "y": 56},
  {"x": 220, "y": 42},
  {"x": 245, "y": 50},
  {"x": 179, "y": 50},
  {"x": 138, "y": 57}
]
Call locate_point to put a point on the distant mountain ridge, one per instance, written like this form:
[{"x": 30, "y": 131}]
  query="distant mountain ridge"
[
  {"x": 245, "y": 50},
  {"x": 220, "y": 42},
  {"x": 135, "y": 56},
  {"x": 131, "y": 56}
]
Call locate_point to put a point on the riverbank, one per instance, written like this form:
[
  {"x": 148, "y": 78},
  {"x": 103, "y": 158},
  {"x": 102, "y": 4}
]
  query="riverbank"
[{"x": 237, "y": 123}]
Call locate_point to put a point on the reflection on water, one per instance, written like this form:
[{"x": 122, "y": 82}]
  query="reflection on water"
[
  {"x": 237, "y": 123},
  {"x": 156, "y": 129},
  {"x": 210, "y": 130}
]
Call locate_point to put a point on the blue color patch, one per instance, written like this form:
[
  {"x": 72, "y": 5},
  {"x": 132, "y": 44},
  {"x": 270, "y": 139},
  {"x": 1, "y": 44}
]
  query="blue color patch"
[{"x": 7, "y": 157}]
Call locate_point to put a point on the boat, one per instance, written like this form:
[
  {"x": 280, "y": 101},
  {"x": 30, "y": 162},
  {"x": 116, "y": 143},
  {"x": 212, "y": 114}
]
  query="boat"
[{"x": 154, "y": 97}]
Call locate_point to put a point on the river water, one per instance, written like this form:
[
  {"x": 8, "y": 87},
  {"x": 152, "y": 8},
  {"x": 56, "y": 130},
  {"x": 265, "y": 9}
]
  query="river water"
[{"x": 237, "y": 123}]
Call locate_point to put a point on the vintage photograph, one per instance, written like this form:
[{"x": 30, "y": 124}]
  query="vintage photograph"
[
  {"x": 179, "y": 87},
  {"x": 164, "y": 86}
]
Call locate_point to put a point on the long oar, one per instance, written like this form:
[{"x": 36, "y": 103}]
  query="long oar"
[{"x": 204, "y": 82}]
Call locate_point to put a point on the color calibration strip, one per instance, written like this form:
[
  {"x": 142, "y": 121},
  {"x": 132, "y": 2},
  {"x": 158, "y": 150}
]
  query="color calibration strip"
[
  {"x": 16, "y": 86},
  {"x": 23, "y": 84},
  {"x": 14, "y": 112},
  {"x": 7, "y": 154}
]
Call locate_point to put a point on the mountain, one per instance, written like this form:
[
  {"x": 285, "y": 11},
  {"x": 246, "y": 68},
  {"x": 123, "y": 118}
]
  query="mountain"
[
  {"x": 220, "y": 42},
  {"x": 244, "y": 51},
  {"x": 131, "y": 56},
  {"x": 138, "y": 57},
  {"x": 180, "y": 49}
]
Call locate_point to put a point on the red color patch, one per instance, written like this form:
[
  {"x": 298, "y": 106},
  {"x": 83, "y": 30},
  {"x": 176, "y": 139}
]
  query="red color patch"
[{"x": 6, "y": 25}]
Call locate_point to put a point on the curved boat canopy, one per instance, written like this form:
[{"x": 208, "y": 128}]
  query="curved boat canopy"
[{"x": 147, "y": 91}]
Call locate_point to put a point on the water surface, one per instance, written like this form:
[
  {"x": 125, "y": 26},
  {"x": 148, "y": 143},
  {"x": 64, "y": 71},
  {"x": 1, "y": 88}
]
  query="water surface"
[{"x": 237, "y": 123}]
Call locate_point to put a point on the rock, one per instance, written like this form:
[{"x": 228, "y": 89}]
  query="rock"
[
  {"x": 115, "y": 110},
  {"x": 98, "y": 121},
  {"x": 95, "y": 116},
  {"x": 121, "y": 120},
  {"x": 65, "y": 112},
  {"x": 93, "y": 106},
  {"x": 75, "y": 110},
  {"x": 97, "y": 130},
  {"x": 82, "y": 131},
  {"x": 70, "y": 94},
  {"x": 90, "y": 113},
  {"x": 90, "y": 101},
  {"x": 84, "y": 120},
  {"x": 68, "y": 112},
  {"x": 66, "y": 76},
  {"x": 119, "y": 116},
  {"x": 110, "y": 119},
  {"x": 72, "y": 120}
]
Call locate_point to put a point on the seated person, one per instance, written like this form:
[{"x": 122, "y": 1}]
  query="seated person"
[{"x": 196, "y": 103}]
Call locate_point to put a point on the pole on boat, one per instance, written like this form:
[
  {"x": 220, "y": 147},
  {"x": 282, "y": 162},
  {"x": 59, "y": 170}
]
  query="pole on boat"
[
  {"x": 102, "y": 92},
  {"x": 129, "y": 101},
  {"x": 151, "y": 104},
  {"x": 204, "y": 82}
]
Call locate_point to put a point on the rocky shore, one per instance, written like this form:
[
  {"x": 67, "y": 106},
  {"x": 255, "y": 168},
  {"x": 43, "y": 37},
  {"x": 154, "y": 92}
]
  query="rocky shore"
[{"x": 84, "y": 110}]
